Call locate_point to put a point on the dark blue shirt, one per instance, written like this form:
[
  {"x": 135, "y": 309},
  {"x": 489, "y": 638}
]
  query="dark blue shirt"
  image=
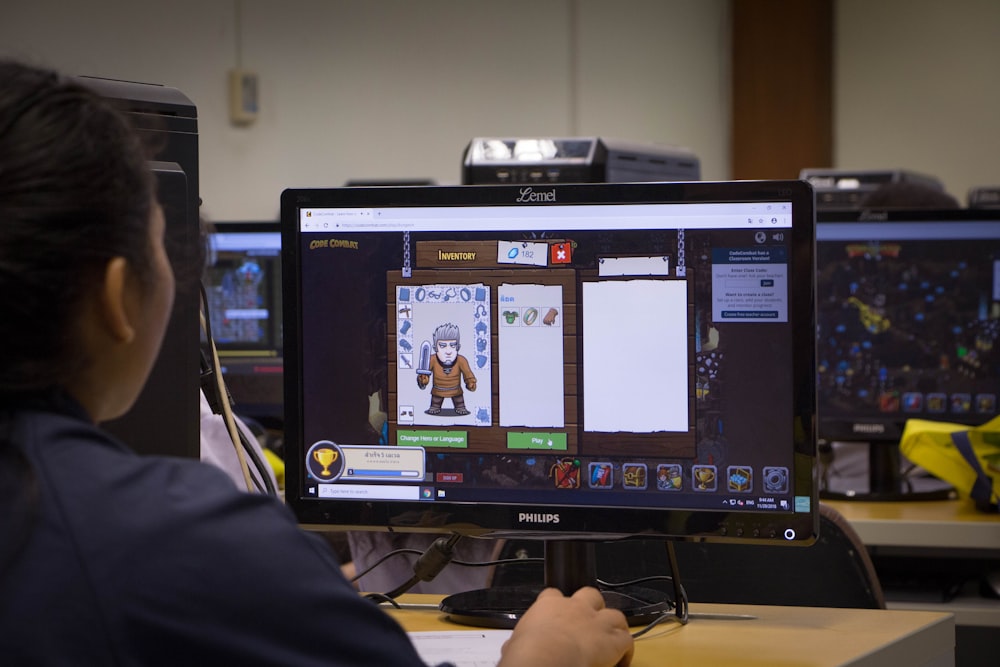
[{"x": 136, "y": 560}]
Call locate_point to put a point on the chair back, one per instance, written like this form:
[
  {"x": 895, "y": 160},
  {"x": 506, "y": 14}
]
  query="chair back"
[{"x": 835, "y": 571}]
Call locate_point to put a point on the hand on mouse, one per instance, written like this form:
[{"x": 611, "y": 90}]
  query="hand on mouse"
[{"x": 575, "y": 631}]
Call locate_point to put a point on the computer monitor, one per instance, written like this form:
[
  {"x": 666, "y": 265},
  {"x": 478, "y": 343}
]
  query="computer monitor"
[
  {"x": 567, "y": 363},
  {"x": 908, "y": 323},
  {"x": 243, "y": 286}
]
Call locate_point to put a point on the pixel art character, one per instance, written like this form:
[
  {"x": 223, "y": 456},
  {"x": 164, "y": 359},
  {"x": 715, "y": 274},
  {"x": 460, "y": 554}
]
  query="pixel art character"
[{"x": 448, "y": 369}]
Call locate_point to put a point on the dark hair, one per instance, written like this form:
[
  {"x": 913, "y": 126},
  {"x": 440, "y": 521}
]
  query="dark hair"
[
  {"x": 75, "y": 191},
  {"x": 904, "y": 194}
]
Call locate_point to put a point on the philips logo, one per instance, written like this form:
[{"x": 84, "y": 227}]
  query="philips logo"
[
  {"x": 537, "y": 517},
  {"x": 529, "y": 196},
  {"x": 868, "y": 428}
]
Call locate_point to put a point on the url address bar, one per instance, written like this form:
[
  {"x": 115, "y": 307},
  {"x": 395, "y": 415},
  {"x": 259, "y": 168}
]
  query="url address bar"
[{"x": 643, "y": 216}]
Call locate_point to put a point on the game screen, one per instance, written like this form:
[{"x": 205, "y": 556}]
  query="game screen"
[
  {"x": 243, "y": 288},
  {"x": 243, "y": 284},
  {"x": 908, "y": 324},
  {"x": 610, "y": 356}
]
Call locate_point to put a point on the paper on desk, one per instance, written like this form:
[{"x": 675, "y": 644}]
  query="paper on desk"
[{"x": 462, "y": 648}]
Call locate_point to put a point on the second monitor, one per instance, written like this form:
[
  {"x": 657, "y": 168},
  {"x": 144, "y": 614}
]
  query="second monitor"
[
  {"x": 909, "y": 319},
  {"x": 243, "y": 286}
]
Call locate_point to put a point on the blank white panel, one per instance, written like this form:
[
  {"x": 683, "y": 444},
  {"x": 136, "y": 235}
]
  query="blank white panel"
[{"x": 635, "y": 361}]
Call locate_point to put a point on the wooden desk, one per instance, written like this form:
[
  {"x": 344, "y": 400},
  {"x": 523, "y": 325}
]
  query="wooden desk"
[
  {"x": 803, "y": 636},
  {"x": 900, "y": 534},
  {"x": 932, "y": 529},
  {"x": 949, "y": 524}
]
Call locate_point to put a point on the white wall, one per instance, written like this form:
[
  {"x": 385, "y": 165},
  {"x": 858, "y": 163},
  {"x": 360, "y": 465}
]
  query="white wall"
[
  {"x": 917, "y": 85},
  {"x": 395, "y": 88}
]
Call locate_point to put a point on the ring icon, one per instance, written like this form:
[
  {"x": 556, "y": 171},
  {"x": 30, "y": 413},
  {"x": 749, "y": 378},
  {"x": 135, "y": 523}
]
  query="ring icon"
[{"x": 789, "y": 534}]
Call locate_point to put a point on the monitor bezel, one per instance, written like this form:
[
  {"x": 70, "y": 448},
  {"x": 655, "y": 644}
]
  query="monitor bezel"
[{"x": 793, "y": 528}]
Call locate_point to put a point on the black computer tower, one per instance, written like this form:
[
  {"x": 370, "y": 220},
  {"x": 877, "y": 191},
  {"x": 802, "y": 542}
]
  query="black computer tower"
[
  {"x": 166, "y": 417},
  {"x": 542, "y": 160}
]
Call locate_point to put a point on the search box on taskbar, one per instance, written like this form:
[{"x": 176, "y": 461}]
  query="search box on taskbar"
[{"x": 369, "y": 491}]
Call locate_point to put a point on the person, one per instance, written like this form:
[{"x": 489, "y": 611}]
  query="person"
[
  {"x": 217, "y": 448},
  {"x": 908, "y": 194},
  {"x": 108, "y": 557}
]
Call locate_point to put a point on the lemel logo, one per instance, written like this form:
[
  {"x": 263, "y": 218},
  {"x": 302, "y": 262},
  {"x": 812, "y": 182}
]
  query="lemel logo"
[{"x": 529, "y": 196}]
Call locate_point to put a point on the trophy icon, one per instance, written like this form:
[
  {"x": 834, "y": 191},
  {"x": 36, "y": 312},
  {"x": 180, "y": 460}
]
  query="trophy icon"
[
  {"x": 704, "y": 477},
  {"x": 325, "y": 461},
  {"x": 325, "y": 456}
]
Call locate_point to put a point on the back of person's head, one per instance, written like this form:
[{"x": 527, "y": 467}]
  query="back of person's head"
[
  {"x": 75, "y": 191},
  {"x": 907, "y": 194}
]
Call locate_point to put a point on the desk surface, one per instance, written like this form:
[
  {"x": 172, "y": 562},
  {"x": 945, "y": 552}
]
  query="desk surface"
[
  {"x": 938, "y": 523},
  {"x": 929, "y": 529},
  {"x": 774, "y": 636}
]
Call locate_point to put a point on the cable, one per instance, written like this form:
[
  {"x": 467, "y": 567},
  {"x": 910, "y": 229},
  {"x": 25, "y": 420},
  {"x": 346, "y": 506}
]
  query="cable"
[
  {"x": 384, "y": 558},
  {"x": 635, "y": 582},
  {"x": 260, "y": 465},
  {"x": 223, "y": 403},
  {"x": 429, "y": 565},
  {"x": 227, "y": 417},
  {"x": 665, "y": 616},
  {"x": 680, "y": 595}
]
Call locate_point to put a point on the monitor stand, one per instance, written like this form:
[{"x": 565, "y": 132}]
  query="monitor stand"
[
  {"x": 569, "y": 566},
  {"x": 885, "y": 480}
]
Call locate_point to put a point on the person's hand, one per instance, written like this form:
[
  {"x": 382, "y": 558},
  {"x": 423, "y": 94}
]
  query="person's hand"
[
  {"x": 470, "y": 384},
  {"x": 576, "y": 631},
  {"x": 423, "y": 380}
]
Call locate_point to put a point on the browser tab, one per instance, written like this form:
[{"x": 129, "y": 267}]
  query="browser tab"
[{"x": 324, "y": 219}]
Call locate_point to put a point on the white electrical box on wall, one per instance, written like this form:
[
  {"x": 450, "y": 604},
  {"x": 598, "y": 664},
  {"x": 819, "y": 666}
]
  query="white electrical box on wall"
[{"x": 243, "y": 104}]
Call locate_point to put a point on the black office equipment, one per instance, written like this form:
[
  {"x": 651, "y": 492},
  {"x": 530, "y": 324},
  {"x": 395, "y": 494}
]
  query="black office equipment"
[
  {"x": 574, "y": 160},
  {"x": 165, "y": 418},
  {"x": 643, "y": 360},
  {"x": 985, "y": 196}
]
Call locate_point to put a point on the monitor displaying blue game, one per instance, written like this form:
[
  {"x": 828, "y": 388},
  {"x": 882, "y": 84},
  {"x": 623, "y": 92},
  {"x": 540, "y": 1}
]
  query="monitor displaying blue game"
[
  {"x": 908, "y": 326},
  {"x": 243, "y": 286},
  {"x": 566, "y": 363}
]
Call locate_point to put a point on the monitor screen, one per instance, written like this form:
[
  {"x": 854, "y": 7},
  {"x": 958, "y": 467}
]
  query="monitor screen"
[
  {"x": 908, "y": 321},
  {"x": 243, "y": 286},
  {"x": 567, "y": 362}
]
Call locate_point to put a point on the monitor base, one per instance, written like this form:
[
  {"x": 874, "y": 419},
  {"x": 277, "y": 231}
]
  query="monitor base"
[
  {"x": 569, "y": 566},
  {"x": 502, "y": 607},
  {"x": 883, "y": 478}
]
